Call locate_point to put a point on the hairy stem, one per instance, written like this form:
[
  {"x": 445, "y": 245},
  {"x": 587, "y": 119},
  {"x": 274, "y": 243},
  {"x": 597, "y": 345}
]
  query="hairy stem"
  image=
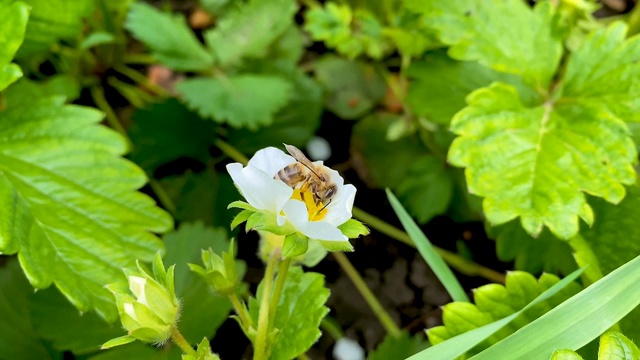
[{"x": 179, "y": 340}]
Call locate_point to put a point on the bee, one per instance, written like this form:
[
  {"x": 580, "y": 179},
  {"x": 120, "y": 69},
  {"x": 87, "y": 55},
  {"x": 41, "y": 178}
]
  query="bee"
[{"x": 304, "y": 174}]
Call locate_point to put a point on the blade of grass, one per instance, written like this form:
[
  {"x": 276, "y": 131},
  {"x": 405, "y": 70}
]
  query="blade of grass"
[
  {"x": 577, "y": 321},
  {"x": 428, "y": 252},
  {"x": 454, "y": 347}
]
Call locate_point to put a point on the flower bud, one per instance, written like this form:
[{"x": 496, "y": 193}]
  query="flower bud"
[{"x": 219, "y": 271}]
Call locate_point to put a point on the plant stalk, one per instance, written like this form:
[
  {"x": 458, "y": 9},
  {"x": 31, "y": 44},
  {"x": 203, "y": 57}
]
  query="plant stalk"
[
  {"x": 179, "y": 340},
  {"x": 282, "y": 276},
  {"x": 261, "y": 344}
]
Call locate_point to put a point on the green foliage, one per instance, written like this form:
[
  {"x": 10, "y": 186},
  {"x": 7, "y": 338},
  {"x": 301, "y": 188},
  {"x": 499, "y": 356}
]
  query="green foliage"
[
  {"x": 172, "y": 42},
  {"x": 397, "y": 347},
  {"x": 250, "y": 30},
  {"x": 44, "y": 187},
  {"x": 25, "y": 90},
  {"x": 300, "y": 310},
  {"x": 51, "y": 21},
  {"x": 13, "y": 31},
  {"x": 241, "y": 101},
  {"x": 494, "y": 302},
  {"x": 613, "y": 345}
]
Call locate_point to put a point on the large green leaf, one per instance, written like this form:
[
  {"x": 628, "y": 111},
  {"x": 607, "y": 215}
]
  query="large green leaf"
[
  {"x": 397, "y": 347},
  {"x": 12, "y": 28},
  {"x": 439, "y": 85},
  {"x": 202, "y": 312},
  {"x": 53, "y": 20},
  {"x": 537, "y": 162},
  {"x": 505, "y": 35},
  {"x": 68, "y": 202},
  {"x": 169, "y": 38},
  {"x": 298, "y": 315},
  {"x": 250, "y": 30},
  {"x": 18, "y": 336},
  {"x": 244, "y": 100},
  {"x": 25, "y": 90},
  {"x": 494, "y": 302}
]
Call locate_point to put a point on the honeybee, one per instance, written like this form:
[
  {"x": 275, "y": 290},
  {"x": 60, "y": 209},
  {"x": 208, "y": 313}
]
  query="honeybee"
[{"x": 304, "y": 174}]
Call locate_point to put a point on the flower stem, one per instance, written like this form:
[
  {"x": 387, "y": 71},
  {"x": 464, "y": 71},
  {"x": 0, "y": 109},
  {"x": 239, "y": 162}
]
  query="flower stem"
[
  {"x": 261, "y": 344},
  {"x": 162, "y": 195},
  {"x": 368, "y": 296},
  {"x": 241, "y": 310},
  {"x": 112, "y": 119},
  {"x": 142, "y": 80},
  {"x": 231, "y": 152},
  {"x": 282, "y": 276},
  {"x": 179, "y": 340},
  {"x": 456, "y": 261}
]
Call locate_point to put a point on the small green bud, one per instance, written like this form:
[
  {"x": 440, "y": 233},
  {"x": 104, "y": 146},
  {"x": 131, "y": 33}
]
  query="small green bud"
[
  {"x": 148, "y": 307},
  {"x": 203, "y": 352},
  {"x": 219, "y": 271}
]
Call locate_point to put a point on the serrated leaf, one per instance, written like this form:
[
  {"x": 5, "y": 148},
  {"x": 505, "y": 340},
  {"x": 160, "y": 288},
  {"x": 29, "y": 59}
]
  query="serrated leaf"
[
  {"x": 202, "y": 312},
  {"x": 169, "y": 37},
  {"x": 494, "y": 302},
  {"x": 506, "y": 35},
  {"x": 25, "y": 90},
  {"x": 594, "y": 310},
  {"x": 248, "y": 31},
  {"x": 18, "y": 336},
  {"x": 439, "y": 85},
  {"x": 427, "y": 188},
  {"x": 615, "y": 346},
  {"x": 69, "y": 202},
  {"x": 544, "y": 253},
  {"x": 536, "y": 162},
  {"x": 352, "y": 88},
  {"x": 166, "y": 132},
  {"x": 246, "y": 100},
  {"x": 13, "y": 28},
  {"x": 397, "y": 347},
  {"x": 298, "y": 315},
  {"x": 51, "y": 21},
  {"x": 615, "y": 239}
]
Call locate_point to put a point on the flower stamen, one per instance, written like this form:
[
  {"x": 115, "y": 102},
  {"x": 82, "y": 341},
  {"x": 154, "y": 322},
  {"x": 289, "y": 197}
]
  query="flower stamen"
[{"x": 316, "y": 211}]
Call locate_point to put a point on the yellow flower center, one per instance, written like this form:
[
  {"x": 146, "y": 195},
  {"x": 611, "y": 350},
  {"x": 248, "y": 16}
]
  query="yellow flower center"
[{"x": 316, "y": 211}]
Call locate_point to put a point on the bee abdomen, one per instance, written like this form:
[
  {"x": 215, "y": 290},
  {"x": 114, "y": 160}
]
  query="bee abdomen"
[{"x": 290, "y": 175}]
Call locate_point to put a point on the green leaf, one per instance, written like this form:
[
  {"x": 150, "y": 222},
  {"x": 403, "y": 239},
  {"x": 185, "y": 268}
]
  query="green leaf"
[
  {"x": 428, "y": 252},
  {"x": 376, "y": 155},
  {"x": 439, "y": 85},
  {"x": 593, "y": 311},
  {"x": 18, "y": 336},
  {"x": 506, "y": 35},
  {"x": 342, "y": 246},
  {"x": 137, "y": 350},
  {"x": 615, "y": 239},
  {"x": 614, "y": 345},
  {"x": 250, "y": 30},
  {"x": 246, "y": 100},
  {"x": 544, "y": 253},
  {"x": 565, "y": 355},
  {"x": 13, "y": 28},
  {"x": 352, "y": 88},
  {"x": 119, "y": 341},
  {"x": 81, "y": 333},
  {"x": 240, "y": 218},
  {"x": 537, "y": 162},
  {"x": 70, "y": 205},
  {"x": 25, "y": 90},
  {"x": 169, "y": 37},
  {"x": 294, "y": 124},
  {"x": 202, "y": 312},
  {"x": 397, "y": 347},
  {"x": 299, "y": 313},
  {"x": 51, "y": 21},
  {"x": 97, "y": 38},
  {"x": 294, "y": 245},
  {"x": 474, "y": 334},
  {"x": 427, "y": 188},
  {"x": 166, "y": 132},
  {"x": 353, "y": 229}
]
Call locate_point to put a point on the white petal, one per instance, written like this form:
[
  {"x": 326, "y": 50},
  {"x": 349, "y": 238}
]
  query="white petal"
[
  {"x": 130, "y": 310},
  {"x": 259, "y": 189},
  {"x": 296, "y": 213},
  {"x": 136, "y": 285},
  {"x": 341, "y": 206},
  {"x": 270, "y": 160}
]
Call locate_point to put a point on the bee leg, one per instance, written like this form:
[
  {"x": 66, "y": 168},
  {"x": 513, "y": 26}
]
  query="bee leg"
[{"x": 325, "y": 206}]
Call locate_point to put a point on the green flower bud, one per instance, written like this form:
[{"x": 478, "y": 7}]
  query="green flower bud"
[
  {"x": 219, "y": 271},
  {"x": 148, "y": 307}
]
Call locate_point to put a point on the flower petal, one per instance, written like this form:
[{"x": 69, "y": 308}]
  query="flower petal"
[
  {"x": 339, "y": 211},
  {"x": 270, "y": 160},
  {"x": 259, "y": 189},
  {"x": 296, "y": 212}
]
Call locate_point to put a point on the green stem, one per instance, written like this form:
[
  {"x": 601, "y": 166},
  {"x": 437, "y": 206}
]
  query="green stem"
[
  {"x": 634, "y": 21},
  {"x": 331, "y": 326},
  {"x": 112, "y": 118},
  {"x": 282, "y": 276},
  {"x": 241, "y": 310},
  {"x": 179, "y": 340},
  {"x": 142, "y": 80},
  {"x": 456, "y": 261},
  {"x": 261, "y": 344},
  {"x": 144, "y": 59},
  {"x": 162, "y": 195},
  {"x": 231, "y": 152},
  {"x": 368, "y": 296}
]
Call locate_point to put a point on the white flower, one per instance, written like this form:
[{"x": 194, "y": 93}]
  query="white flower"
[{"x": 257, "y": 184}]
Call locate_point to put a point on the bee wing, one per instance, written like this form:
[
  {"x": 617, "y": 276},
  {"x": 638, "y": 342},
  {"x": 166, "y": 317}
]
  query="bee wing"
[{"x": 299, "y": 156}]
